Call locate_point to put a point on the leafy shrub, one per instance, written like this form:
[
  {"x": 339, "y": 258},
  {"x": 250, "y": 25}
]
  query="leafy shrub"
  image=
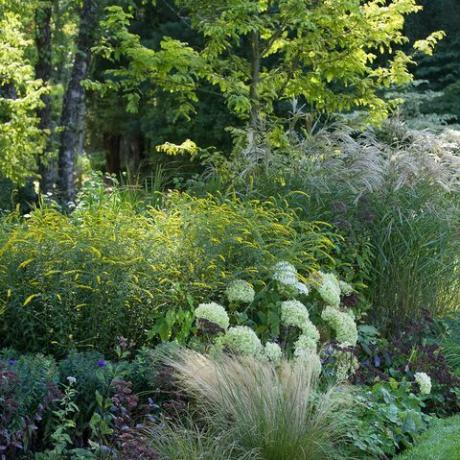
[
  {"x": 416, "y": 348},
  {"x": 77, "y": 407},
  {"x": 28, "y": 388},
  {"x": 389, "y": 417},
  {"x": 109, "y": 271},
  {"x": 440, "y": 442},
  {"x": 91, "y": 374}
]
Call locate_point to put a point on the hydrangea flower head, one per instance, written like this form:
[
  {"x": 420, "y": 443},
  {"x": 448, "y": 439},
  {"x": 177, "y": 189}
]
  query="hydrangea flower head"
[
  {"x": 310, "y": 330},
  {"x": 346, "y": 365},
  {"x": 305, "y": 353},
  {"x": 345, "y": 288},
  {"x": 286, "y": 274},
  {"x": 294, "y": 313},
  {"x": 243, "y": 340},
  {"x": 424, "y": 382},
  {"x": 304, "y": 345},
  {"x": 343, "y": 324},
  {"x": 240, "y": 291},
  {"x": 329, "y": 289},
  {"x": 214, "y": 313},
  {"x": 273, "y": 352}
]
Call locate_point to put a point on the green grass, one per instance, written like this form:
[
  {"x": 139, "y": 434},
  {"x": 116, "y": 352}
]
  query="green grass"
[{"x": 441, "y": 442}]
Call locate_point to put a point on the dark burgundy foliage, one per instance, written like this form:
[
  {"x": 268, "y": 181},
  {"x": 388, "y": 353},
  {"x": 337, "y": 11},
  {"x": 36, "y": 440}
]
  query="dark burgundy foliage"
[
  {"x": 206, "y": 327},
  {"x": 128, "y": 437},
  {"x": 410, "y": 350},
  {"x": 350, "y": 300},
  {"x": 175, "y": 401},
  {"x": 17, "y": 427}
]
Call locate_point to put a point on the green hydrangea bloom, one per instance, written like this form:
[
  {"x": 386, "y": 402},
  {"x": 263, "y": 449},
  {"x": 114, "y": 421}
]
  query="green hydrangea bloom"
[
  {"x": 303, "y": 344},
  {"x": 294, "y": 313},
  {"x": 240, "y": 291},
  {"x": 310, "y": 330},
  {"x": 346, "y": 365},
  {"x": 343, "y": 324},
  {"x": 305, "y": 353},
  {"x": 214, "y": 313},
  {"x": 243, "y": 340},
  {"x": 286, "y": 274},
  {"x": 329, "y": 289},
  {"x": 424, "y": 382},
  {"x": 345, "y": 288},
  {"x": 273, "y": 352}
]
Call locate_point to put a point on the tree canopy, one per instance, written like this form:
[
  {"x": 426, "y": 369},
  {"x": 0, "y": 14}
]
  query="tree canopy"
[{"x": 168, "y": 71}]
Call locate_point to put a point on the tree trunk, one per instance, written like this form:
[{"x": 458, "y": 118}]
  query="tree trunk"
[
  {"x": 74, "y": 102},
  {"x": 112, "y": 146},
  {"x": 43, "y": 71}
]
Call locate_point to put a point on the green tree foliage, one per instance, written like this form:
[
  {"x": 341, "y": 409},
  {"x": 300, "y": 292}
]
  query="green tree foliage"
[
  {"x": 333, "y": 55},
  {"x": 21, "y": 140},
  {"x": 442, "y": 70}
]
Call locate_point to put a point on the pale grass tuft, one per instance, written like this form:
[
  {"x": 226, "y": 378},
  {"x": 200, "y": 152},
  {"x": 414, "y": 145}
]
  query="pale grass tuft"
[{"x": 275, "y": 411}]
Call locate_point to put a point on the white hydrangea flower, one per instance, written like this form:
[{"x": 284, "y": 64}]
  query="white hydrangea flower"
[
  {"x": 329, "y": 289},
  {"x": 214, "y": 313},
  {"x": 345, "y": 288},
  {"x": 302, "y": 288},
  {"x": 286, "y": 274},
  {"x": 294, "y": 313},
  {"x": 346, "y": 365},
  {"x": 315, "y": 361},
  {"x": 273, "y": 352},
  {"x": 343, "y": 324},
  {"x": 240, "y": 291},
  {"x": 243, "y": 340},
  {"x": 304, "y": 344},
  {"x": 424, "y": 382},
  {"x": 305, "y": 353},
  {"x": 311, "y": 331}
]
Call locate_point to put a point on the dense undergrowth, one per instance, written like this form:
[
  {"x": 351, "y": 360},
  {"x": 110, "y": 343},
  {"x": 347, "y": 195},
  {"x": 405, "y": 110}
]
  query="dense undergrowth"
[
  {"x": 301, "y": 308},
  {"x": 107, "y": 270}
]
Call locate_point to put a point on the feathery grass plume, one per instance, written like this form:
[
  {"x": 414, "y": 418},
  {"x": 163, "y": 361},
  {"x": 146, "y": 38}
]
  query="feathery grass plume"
[
  {"x": 276, "y": 411},
  {"x": 393, "y": 193},
  {"x": 186, "y": 441}
]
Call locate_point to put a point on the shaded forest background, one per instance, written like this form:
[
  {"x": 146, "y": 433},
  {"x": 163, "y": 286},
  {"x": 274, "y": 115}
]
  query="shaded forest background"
[{"x": 116, "y": 130}]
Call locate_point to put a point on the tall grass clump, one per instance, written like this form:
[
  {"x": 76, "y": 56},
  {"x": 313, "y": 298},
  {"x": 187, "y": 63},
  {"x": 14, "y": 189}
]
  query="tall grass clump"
[
  {"x": 393, "y": 194},
  {"x": 110, "y": 269},
  {"x": 187, "y": 441},
  {"x": 278, "y": 413}
]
